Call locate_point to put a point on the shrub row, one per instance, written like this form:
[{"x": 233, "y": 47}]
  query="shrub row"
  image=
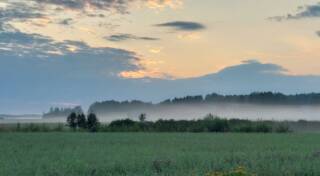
[
  {"x": 33, "y": 127},
  {"x": 208, "y": 124},
  {"x": 79, "y": 122}
]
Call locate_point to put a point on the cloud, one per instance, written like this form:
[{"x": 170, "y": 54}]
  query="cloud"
[
  {"x": 189, "y": 36},
  {"x": 144, "y": 74},
  {"x": 96, "y": 15},
  {"x": 116, "y": 5},
  {"x": 41, "y": 12},
  {"x": 18, "y": 11},
  {"x": 18, "y": 43},
  {"x": 155, "y": 50},
  {"x": 16, "y": 46},
  {"x": 160, "y": 4},
  {"x": 65, "y": 104},
  {"x": 125, "y": 37},
  {"x": 252, "y": 66},
  {"x": 308, "y": 11},
  {"x": 14, "y": 11},
  {"x": 183, "y": 25},
  {"x": 66, "y": 21},
  {"x": 120, "y": 6},
  {"x": 318, "y": 33},
  {"x": 38, "y": 69}
]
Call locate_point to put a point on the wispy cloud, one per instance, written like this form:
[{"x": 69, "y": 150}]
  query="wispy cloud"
[
  {"x": 155, "y": 50},
  {"x": 160, "y": 4},
  {"x": 36, "y": 9},
  {"x": 119, "y": 6},
  {"x": 18, "y": 12},
  {"x": 66, "y": 21},
  {"x": 189, "y": 36},
  {"x": 308, "y": 11},
  {"x": 183, "y": 25},
  {"x": 125, "y": 37},
  {"x": 65, "y": 104}
]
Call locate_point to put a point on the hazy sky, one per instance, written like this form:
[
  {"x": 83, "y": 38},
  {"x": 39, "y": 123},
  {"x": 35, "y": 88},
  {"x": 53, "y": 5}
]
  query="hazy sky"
[
  {"x": 45, "y": 43},
  {"x": 195, "y": 38}
]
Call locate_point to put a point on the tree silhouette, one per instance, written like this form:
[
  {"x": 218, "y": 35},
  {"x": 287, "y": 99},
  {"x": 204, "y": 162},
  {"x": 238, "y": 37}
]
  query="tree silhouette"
[
  {"x": 92, "y": 123},
  {"x": 142, "y": 117},
  {"x": 82, "y": 121},
  {"x": 72, "y": 121}
]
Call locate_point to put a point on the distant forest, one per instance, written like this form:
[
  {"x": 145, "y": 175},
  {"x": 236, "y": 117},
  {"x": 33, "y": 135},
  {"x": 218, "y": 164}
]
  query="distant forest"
[
  {"x": 62, "y": 112},
  {"x": 253, "y": 98}
]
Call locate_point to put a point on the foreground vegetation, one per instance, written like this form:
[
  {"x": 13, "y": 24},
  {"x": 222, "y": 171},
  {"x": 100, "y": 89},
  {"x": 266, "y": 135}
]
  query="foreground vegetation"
[
  {"x": 176, "y": 154},
  {"x": 208, "y": 124}
]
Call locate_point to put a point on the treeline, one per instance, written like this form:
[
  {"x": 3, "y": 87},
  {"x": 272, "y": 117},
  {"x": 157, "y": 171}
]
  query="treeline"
[
  {"x": 266, "y": 98},
  {"x": 254, "y": 98},
  {"x": 113, "y": 106},
  {"x": 62, "y": 112},
  {"x": 208, "y": 124},
  {"x": 90, "y": 123}
]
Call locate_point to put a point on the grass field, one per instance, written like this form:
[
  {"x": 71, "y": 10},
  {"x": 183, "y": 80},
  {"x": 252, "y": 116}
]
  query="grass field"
[{"x": 139, "y": 154}]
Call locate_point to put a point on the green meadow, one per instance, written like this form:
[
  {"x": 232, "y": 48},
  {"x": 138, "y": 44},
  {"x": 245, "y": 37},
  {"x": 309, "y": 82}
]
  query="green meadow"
[{"x": 139, "y": 154}]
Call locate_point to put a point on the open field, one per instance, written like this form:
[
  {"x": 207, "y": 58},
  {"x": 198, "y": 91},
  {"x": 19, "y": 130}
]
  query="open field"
[{"x": 82, "y": 154}]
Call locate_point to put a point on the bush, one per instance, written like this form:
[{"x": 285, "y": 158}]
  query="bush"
[
  {"x": 263, "y": 127},
  {"x": 122, "y": 123},
  {"x": 32, "y": 127},
  {"x": 282, "y": 128},
  {"x": 18, "y": 127},
  {"x": 125, "y": 125},
  {"x": 247, "y": 128},
  {"x": 58, "y": 128},
  {"x": 215, "y": 124}
]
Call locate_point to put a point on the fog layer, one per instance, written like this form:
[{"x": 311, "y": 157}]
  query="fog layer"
[{"x": 225, "y": 110}]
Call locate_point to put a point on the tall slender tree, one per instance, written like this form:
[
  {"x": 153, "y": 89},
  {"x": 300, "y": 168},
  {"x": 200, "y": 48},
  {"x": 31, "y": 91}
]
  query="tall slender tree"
[{"x": 142, "y": 117}]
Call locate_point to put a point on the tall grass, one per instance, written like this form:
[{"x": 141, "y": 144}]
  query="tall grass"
[{"x": 154, "y": 154}]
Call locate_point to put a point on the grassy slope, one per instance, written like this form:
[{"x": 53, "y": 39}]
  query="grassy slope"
[{"x": 77, "y": 154}]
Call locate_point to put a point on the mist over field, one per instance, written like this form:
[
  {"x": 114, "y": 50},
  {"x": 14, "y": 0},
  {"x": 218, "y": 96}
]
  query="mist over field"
[
  {"x": 193, "y": 111},
  {"x": 226, "y": 110}
]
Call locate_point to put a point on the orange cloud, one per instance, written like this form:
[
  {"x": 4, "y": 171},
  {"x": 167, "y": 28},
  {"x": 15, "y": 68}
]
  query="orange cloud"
[
  {"x": 142, "y": 74},
  {"x": 189, "y": 36},
  {"x": 148, "y": 69},
  {"x": 41, "y": 22},
  {"x": 155, "y": 50},
  {"x": 160, "y": 4}
]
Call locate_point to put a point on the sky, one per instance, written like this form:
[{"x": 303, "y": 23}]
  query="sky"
[{"x": 69, "y": 52}]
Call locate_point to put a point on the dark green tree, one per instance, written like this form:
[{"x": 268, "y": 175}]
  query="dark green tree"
[
  {"x": 82, "y": 121},
  {"x": 93, "y": 123},
  {"x": 142, "y": 117},
  {"x": 72, "y": 121}
]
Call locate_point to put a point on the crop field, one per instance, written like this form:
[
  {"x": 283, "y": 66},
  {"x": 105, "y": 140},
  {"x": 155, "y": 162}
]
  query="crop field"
[{"x": 139, "y": 154}]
